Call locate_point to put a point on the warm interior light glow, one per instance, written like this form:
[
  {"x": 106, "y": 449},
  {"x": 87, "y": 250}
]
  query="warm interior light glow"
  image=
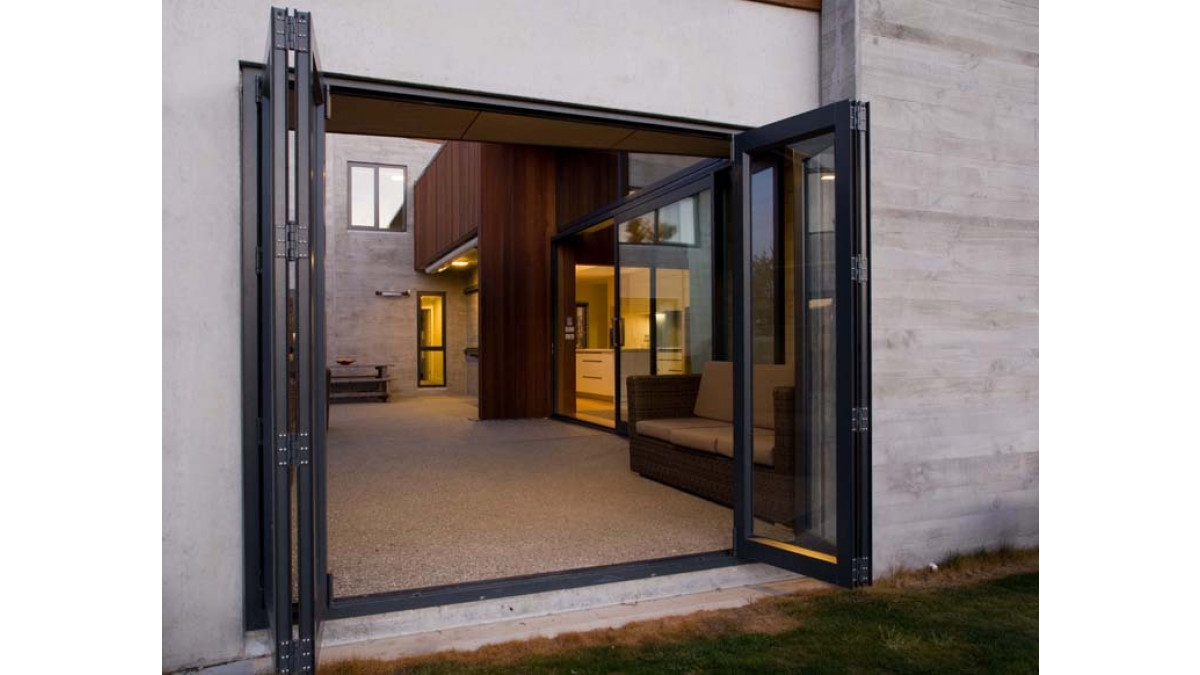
[
  {"x": 461, "y": 263},
  {"x": 827, "y": 176}
]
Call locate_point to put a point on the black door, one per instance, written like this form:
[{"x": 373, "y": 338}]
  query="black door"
[
  {"x": 291, "y": 182},
  {"x": 802, "y": 345}
]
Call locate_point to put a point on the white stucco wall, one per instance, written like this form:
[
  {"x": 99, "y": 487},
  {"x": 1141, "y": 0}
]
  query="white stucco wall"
[{"x": 727, "y": 61}]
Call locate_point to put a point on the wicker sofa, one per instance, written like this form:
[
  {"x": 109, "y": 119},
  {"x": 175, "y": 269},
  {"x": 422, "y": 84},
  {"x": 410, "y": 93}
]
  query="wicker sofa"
[{"x": 681, "y": 434}]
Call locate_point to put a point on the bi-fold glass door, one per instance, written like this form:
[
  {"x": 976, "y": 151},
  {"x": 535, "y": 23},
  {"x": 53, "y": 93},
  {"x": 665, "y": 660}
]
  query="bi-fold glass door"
[
  {"x": 802, "y": 343},
  {"x": 291, "y": 245}
]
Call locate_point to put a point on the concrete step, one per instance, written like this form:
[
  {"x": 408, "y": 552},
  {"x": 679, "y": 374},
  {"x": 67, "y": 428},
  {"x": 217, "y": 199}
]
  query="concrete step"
[{"x": 470, "y": 625}]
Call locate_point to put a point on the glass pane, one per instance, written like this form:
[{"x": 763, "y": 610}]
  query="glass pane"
[
  {"x": 766, "y": 268},
  {"x": 431, "y": 368},
  {"x": 640, "y": 230},
  {"x": 646, "y": 169},
  {"x": 633, "y": 327},
  {"x": 683, "y": 283},
  {"x": 362, "y": 196},
  {"x": 431, "y": 321},
  {"x": 392, "y": 186},
  {"x": 586, "y": 367},
  {"x": 677, "y": 222},
  {"x": 794, "y": 483}
]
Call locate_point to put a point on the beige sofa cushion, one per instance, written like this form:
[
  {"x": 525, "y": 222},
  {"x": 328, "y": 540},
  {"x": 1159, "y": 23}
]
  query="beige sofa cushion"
[
  {"x": 661, "y": 429},
  {"x": 764, "y": 445},
  {"x": 703, "y": 438},
  {"x": 715, "y": 398},
  {"x": 720, "y": 440},
  {"x": 766, "y": 379}
]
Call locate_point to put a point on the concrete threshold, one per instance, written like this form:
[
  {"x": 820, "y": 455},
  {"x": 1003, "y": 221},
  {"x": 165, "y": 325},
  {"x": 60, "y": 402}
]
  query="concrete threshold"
[{"x": 471, "y": 625}]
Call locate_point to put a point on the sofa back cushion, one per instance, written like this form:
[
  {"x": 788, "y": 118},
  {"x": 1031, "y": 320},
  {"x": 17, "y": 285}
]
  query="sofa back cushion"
[
  {"x": 766, "y": 379},
  {"x": 715, "y": 399}
]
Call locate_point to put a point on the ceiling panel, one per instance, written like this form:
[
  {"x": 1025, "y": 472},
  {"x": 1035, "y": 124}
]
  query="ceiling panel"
[
  {"x": 380, "y": 117},
  {"x": 674, "y": 144},
  {"x": 506, "y": 128}
]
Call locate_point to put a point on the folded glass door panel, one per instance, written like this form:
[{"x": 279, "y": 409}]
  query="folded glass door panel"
[
  {"x": 801, "y": 378},
  {"x": 309, "y": 351},
  {"x": 273, "y": 285},
  {"x": 291, "y": 183}
]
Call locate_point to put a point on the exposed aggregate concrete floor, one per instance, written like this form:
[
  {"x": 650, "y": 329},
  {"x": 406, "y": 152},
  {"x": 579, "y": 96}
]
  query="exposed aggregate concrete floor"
[{"x": 421, "y": 494}]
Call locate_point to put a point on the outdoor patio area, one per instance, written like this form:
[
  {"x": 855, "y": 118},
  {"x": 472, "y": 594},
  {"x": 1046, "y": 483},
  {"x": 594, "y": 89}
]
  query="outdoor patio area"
[{"x": 421, "y": 493}]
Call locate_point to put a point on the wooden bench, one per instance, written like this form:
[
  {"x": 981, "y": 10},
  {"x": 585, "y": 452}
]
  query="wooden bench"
[{"x": 357, "y": 383}]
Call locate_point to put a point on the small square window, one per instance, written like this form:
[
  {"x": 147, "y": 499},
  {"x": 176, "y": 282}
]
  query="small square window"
[{"x": 378, "y": 194}]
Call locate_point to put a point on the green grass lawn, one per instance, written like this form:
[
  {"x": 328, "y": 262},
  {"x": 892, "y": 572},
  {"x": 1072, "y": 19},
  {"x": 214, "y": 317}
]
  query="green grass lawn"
[{"x": 977, "y": 622}]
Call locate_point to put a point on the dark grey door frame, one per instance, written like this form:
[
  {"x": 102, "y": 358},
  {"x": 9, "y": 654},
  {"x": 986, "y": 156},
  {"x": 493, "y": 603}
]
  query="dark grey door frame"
[
  {"x": 259, "y": 430},
  {"x": 277, "y": 581},
  {"x": 255, "y": 553}
]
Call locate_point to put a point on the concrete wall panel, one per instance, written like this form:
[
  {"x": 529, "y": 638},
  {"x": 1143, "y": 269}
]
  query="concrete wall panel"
[{"x": 954, "y": 95}]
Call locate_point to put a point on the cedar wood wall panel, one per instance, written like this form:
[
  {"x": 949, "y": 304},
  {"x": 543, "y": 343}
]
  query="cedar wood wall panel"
[
  {"x": 514, "y": 198},
  {"x": 586, "y": 180},
  {"x": 514, "y": 281},
  {"x": 564, "y": 397},
  {"x": 448, "y": 203}
]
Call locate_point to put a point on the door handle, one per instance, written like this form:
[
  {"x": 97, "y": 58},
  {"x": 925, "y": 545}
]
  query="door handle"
[{"x": 618, "y": 331}]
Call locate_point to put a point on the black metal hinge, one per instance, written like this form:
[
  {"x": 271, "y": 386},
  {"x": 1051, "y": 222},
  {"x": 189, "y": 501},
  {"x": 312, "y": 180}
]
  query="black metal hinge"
[
  {"x": 858, "y": 268},
  {"x": 860, "y": 419},
  {"x": 285, "y": 657},
  {"x": 280, "y": 28},
  {"x": 292, "y": 242},
  {"x": 858, "y": 116},
  {"x": 293, "y": 449},
  {"x": 860, "y": 571},
  {"x": 300, "y": 31},
  {"x": 294, "y": 656},
  {"x": 304, "y": 660}
]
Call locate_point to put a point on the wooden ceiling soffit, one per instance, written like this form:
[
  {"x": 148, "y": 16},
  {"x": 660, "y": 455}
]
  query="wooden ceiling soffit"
[
  {"x": 674, "y": 144},
  {"x": 525, "y": 129},
  {"x": 381, "y": 117},
  {"x": 364, "y": 115}
]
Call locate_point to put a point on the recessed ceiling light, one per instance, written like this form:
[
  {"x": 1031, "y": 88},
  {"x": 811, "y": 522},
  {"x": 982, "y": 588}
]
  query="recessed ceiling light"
[{"x": 827, "y": 176}]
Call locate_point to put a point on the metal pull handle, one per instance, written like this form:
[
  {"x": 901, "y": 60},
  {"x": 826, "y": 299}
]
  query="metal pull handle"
[{"x": 618, "y": 331}]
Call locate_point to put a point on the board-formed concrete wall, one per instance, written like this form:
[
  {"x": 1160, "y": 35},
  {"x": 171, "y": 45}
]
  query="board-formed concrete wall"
[
  {"x": 665, "y": 57},
  {"x": 953, "y": 89},
  {"x": 360, "y": 324}
]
